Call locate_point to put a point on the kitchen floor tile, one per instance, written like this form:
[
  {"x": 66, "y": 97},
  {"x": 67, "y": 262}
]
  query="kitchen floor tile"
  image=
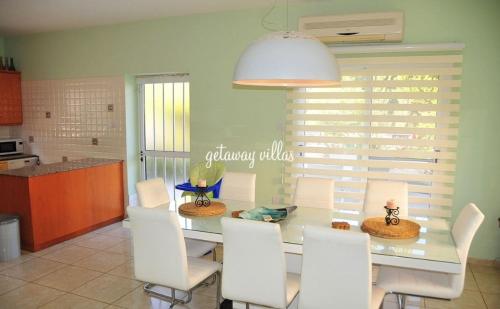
[
  {"x": 488, "y": 282},
  {"x": 29, "y": 296},
  {"x": 68, "y": 278},
  {"x": 81, "y": 237},
  {"x": 121, "y": 232},
  {"x": 70, "y": 254},
  {"x": 468, "y": 300},
  {"x": 125, "y": 270},
  {"x": 492, "y": 300},
  {"x": 100, "y": 242},
  {"x": 70, "y": 301},
  {"x": 7, "y": 284},
  {"x": 107, "y": 288},
  {"x": 125, "y": 247},
  {"x": 23, "y": 258},
  {"x": 470, "y": 282},
  {"x": 32, "y": 269},
  {"x": 108, "y": 228},
  {"x": 484, "y": 269},
  {"x": 103, "y": 261},
  {"x": 51, "y": 249}
]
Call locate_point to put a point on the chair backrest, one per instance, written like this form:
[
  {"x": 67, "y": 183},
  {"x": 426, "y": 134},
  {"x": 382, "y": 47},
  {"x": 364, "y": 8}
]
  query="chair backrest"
[
  {"x": 314, "y": 192},
  {"x": 336, "y": 269},
  {"x": 379, "y": 191},
  {"x": 152, "y": 193},
  {"x": 159, "y": 247},
  {"x": 254, "y": 268},
  {"x": 463, "y": 231},
  {"x": 238, "y": 186}
]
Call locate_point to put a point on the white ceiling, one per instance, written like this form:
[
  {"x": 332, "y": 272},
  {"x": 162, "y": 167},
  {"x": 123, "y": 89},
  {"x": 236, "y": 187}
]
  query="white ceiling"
[{"x": 33, "y": 16}]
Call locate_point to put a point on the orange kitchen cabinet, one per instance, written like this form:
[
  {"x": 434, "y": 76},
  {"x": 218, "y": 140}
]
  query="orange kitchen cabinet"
[{"x": 11, "y": 109}]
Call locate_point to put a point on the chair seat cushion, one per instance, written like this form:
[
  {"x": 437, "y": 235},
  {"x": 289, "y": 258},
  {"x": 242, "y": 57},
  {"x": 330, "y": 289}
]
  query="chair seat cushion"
[
  {"x": 292, "y": 287},
  {"x": 198, "y": 248},
  {"x": 200, "y": 269},
  {"x": 377, "y": 297},
  {"x": 415, "y": 282}
]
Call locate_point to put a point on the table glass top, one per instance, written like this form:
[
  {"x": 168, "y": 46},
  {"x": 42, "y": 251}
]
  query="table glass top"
[{"x": 434, "y": 243}]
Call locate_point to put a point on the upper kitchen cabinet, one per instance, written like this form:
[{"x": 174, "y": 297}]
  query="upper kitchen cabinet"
[{"x": 11, "y": 112}]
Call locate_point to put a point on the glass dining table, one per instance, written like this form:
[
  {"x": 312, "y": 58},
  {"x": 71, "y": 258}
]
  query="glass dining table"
[{"x": 433, "y": 250}]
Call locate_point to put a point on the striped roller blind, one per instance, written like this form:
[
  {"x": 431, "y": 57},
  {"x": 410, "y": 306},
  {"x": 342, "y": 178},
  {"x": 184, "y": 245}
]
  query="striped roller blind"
[{"x": 395, "y": 117}]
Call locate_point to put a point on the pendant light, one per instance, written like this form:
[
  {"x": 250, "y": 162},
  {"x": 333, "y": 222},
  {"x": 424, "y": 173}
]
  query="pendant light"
[{"x": 287, "y": 59}]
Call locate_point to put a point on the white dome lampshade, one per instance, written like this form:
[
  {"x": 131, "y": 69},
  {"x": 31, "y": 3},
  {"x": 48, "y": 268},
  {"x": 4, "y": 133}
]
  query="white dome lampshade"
[{"x": 287, "y": 59}]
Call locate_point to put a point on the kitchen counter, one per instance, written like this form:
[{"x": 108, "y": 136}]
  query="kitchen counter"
[
  {"x": 59, "y": 167},
  {"x": 60, "y": 201}
]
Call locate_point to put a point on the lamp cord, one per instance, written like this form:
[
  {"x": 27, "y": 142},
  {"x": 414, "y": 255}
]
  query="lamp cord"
[{"x": 268, "y": 25}]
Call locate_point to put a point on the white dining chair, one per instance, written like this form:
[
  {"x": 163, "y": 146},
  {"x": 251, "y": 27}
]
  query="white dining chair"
[
  {"x": 314, "y": 192},
  {"x": 254, "y": 270},
  {"x": 404, "y": 282},
  {"x": 160, "y": 256},
  {"x": 378, "y": 192},
  {"x": 337, "y": 270},
  {"x": 238, "y": 187},
  {"x": 153, "y": 193}
]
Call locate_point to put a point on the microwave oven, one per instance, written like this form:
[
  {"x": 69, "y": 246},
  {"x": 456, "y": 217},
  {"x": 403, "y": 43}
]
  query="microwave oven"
[{"x": 11, "y": 146}]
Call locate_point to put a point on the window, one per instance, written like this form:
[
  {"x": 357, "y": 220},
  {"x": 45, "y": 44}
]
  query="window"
[
  {"x": 393, "y": 118},
  {"x": 165, "y": 129}
]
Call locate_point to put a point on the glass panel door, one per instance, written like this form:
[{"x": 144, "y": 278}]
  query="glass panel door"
[{"x": 165, "y": 129}]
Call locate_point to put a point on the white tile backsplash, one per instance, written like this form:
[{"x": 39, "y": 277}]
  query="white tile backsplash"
[{"x": 78, "y": 112}]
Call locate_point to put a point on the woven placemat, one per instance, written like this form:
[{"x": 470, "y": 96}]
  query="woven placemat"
[
  {"x": 377, "y": 227},
  {"x": 190, "y": 209}
]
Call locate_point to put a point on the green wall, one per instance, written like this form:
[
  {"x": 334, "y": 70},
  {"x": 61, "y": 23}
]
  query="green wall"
[
  {"x": 2, "y": 46},
  {"x": 207, "y": 47},
  {"x": 132, "y": 133}
]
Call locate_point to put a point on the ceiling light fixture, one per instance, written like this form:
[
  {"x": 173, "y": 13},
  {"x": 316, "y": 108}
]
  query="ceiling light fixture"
[{"x": 287, "y": 59}]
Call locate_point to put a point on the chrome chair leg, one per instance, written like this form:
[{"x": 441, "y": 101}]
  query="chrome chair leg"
[
  {"x": 219, "y": 281},
  {"x": 401, "y": 300},
  {"x": 148, "y": 288}
]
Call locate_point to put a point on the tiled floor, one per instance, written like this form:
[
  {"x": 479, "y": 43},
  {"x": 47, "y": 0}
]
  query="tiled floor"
[{"x": 96, "y": 271}]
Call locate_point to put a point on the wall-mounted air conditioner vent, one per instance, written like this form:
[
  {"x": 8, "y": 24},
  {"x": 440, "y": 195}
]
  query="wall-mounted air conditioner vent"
[{"x": 367, "y": 27}]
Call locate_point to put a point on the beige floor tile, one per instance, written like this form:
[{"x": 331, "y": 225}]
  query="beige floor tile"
[
  {"x": 50, "y": 249},
  {"x": 23, "y": 258},
  {"x": 32, "y": 269},
  {"x": 468, "y": 300},
  {"x": 137, "y": 299},
  {"x": 124, "y": 247},
  {"x": 125, "y": 270},
  {"x": 108, "y": 227},
  {"x": 417, "y": 302},
  {"x": 29, "y": 296},
  {"x": 393, "y": 305},
  {"x": 81, "y": 237},
  {"x": 492, "y": 300},
  {"x": 7, "y": 284},
  {"x": 70, "y": 254},
  {"x": 484, "y": 269},
  {"x": 470, "y": 283},
  {"x": 107, "y": 288},
  {"x": 121, "y": 232},
  {"x": 488, "y": 283},
  {"x": 210, "y": 291},
  {"x": 100, "y": 242},
  {"x": 103, "y": 261},
  {"x": 68, "y": 278},
  {"x": 70, "y": 301}
]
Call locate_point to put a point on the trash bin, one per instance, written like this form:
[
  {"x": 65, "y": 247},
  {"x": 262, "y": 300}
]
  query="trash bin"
[{"x": 10, "y": 242}]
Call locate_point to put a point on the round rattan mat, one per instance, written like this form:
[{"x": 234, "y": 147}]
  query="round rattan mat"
[
  {"x": 377, "y": 227},
  {"x": 190, "y": 209}
]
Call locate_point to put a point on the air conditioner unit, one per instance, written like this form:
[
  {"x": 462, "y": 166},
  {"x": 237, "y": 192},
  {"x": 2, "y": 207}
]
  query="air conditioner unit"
[{"x": 367, "y": 27}]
